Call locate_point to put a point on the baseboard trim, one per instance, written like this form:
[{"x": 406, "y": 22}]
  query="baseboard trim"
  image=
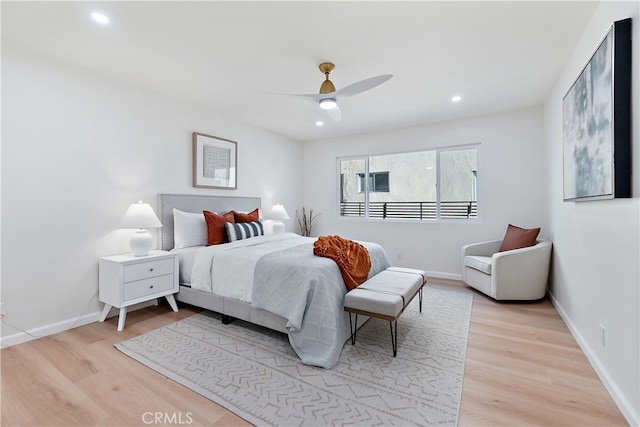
[
  {"x": 65, "y": 325},
  {"x": 43, "y": 331},
  {"x": 441, "y": 275},
  {"x": 618, "y": 397}
]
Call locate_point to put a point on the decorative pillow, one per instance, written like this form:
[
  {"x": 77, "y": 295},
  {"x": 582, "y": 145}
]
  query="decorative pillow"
[
  {"x": 517, "y": 238},
  {"x": 244, "y": 230},
  {"x": 252, "y": 216},
  {"x": 216, "y": 233},
  {"x": 189, "y": 229}
]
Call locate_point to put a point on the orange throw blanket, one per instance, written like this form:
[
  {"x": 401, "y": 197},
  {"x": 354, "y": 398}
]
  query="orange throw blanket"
[{"x": 352, "y": 258}]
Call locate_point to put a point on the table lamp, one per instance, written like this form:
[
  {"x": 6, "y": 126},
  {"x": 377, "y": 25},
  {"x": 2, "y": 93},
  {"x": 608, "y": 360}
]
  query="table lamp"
[
  {"x": 140, "y": 216},
  {"x": 278, "y": 213}
]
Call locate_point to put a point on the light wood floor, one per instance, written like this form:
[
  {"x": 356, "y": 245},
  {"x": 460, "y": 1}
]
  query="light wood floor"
[{"x": 523, "y": 368}]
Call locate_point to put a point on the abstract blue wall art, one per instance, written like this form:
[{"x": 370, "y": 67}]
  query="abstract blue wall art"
[{"x": 596, "y": 116}]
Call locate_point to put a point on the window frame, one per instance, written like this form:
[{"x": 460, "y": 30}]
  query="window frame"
[{"x": 438, "y": 218}]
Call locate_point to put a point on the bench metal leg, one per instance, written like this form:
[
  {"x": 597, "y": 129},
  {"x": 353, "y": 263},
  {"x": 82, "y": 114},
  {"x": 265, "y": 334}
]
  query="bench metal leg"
[
  {"x": 394, "y": 336},
  {"x": 420, "y": 297},
  {"x": 393, "y": 326},
  {"x": 353, "y": 330}
]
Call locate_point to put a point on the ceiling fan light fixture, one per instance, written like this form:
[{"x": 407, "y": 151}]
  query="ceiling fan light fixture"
[{"x": 328, "y": 104}]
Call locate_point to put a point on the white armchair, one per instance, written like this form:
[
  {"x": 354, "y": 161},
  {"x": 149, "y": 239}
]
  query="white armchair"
[{"x": 519, "y": 274}]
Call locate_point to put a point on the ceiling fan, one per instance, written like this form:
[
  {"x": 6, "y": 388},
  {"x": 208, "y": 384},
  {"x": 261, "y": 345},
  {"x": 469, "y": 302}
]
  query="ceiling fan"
[{"x": 328, "y": 96}]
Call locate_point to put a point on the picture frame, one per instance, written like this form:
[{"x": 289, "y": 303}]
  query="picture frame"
[
  {"x": 214, "y": 162},
  {"x": 596, "y": 122}
]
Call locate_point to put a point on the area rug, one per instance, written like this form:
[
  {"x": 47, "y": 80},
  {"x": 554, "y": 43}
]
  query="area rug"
[{"x": 253, "y": 371}]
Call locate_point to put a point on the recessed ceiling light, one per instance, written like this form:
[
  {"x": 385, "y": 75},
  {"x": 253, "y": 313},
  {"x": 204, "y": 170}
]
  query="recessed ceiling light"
[
  {"x": 456, "y": 98},
  {"x": 99, "y": 17},
  {"x": 319, "y": 123}
]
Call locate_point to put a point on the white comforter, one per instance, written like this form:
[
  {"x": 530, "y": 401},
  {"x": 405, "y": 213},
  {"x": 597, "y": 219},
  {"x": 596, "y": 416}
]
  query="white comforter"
[{"x": 280, "y": 274}]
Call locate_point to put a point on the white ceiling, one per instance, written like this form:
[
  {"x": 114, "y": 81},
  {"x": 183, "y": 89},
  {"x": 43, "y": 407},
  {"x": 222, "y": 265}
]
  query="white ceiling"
[{"x": 231, "y": 56}]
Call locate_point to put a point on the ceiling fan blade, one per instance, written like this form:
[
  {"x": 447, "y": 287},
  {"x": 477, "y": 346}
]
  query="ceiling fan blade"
[
  {"x": 335, "y": 114},
  {"x": 313, "y": 97},
  {"x": 362, "y": 85}
]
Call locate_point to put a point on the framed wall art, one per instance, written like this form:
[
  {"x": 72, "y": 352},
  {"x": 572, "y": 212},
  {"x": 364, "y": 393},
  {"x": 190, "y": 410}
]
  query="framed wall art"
[
  {"x": 214, "y": 162},
  {"x": 596, "y": 122}
]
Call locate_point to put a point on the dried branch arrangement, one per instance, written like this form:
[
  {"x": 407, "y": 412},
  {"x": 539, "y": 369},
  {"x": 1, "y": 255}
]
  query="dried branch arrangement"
[{"x": 305, "y": 221}]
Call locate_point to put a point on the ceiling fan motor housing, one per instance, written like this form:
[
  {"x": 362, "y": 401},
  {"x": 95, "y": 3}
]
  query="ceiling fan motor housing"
[{"x": 327, "y": 85}]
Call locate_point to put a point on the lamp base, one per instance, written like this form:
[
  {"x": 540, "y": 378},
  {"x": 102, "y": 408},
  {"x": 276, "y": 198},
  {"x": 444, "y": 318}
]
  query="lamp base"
[
  {"x": 278, "y": 227},
  {"x": 141, "y": 242}
]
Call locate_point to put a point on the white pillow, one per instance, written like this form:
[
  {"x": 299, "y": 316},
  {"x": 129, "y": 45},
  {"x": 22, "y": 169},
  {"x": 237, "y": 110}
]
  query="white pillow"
[
  {"x": 243, "y": 230},
  {"x": 189, "y": 229}
]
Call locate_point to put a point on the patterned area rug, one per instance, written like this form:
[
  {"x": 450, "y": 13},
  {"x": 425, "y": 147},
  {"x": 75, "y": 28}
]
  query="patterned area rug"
[{"x": 254, "y": 373}]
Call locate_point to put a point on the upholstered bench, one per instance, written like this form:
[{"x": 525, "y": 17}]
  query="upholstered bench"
[{"x": 385, "y": 296}]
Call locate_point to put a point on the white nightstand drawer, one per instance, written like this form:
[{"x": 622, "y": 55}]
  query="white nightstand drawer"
[
  {"x": 144, "y": 270},
  {"x": 141, "y": 288},
  {"x": 125, "y": 280}
]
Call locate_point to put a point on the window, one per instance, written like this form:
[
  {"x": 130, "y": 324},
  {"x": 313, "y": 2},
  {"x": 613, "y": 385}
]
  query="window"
[
  {"x": 425, "y": 185},
  {"x": 378, "y": 182}
]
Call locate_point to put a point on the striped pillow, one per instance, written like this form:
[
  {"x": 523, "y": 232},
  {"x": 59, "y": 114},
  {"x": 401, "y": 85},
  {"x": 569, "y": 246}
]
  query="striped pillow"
[{"x": 243, "y": 230}]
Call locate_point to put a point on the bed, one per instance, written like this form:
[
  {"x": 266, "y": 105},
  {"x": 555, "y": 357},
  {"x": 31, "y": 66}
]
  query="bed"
[{"x": 274, "y": 280}]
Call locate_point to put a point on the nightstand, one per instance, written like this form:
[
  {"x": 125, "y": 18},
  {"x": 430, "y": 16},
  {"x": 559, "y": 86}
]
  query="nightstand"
[{"x": 125, "y": 280}]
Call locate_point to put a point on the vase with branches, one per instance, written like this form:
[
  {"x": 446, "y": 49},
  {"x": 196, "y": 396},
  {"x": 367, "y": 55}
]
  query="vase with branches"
[{"x": 305, "y": 221}]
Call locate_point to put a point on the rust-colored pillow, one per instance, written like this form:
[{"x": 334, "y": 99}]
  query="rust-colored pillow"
[
  {"x": 252, "y": 216},
  {"x": 517, "y": 238},
  {"x": 216, "y": 232}
]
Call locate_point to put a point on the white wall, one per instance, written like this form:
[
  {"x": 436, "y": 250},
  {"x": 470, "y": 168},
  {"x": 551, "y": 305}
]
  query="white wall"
[
  {"x": 77, "y": 149},
  {"x": 596, "y": 244},
  {"x": 510, "y": 185}
]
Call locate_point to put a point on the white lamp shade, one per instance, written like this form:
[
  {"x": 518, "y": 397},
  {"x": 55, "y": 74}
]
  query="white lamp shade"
[
  {"x": 278, "y": 212},
  {"x": 140, "y": 215}
]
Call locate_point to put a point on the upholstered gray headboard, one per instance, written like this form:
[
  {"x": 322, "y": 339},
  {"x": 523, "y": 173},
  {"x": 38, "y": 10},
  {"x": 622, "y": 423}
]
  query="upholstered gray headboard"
[{"x": 197, "y": 203}]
